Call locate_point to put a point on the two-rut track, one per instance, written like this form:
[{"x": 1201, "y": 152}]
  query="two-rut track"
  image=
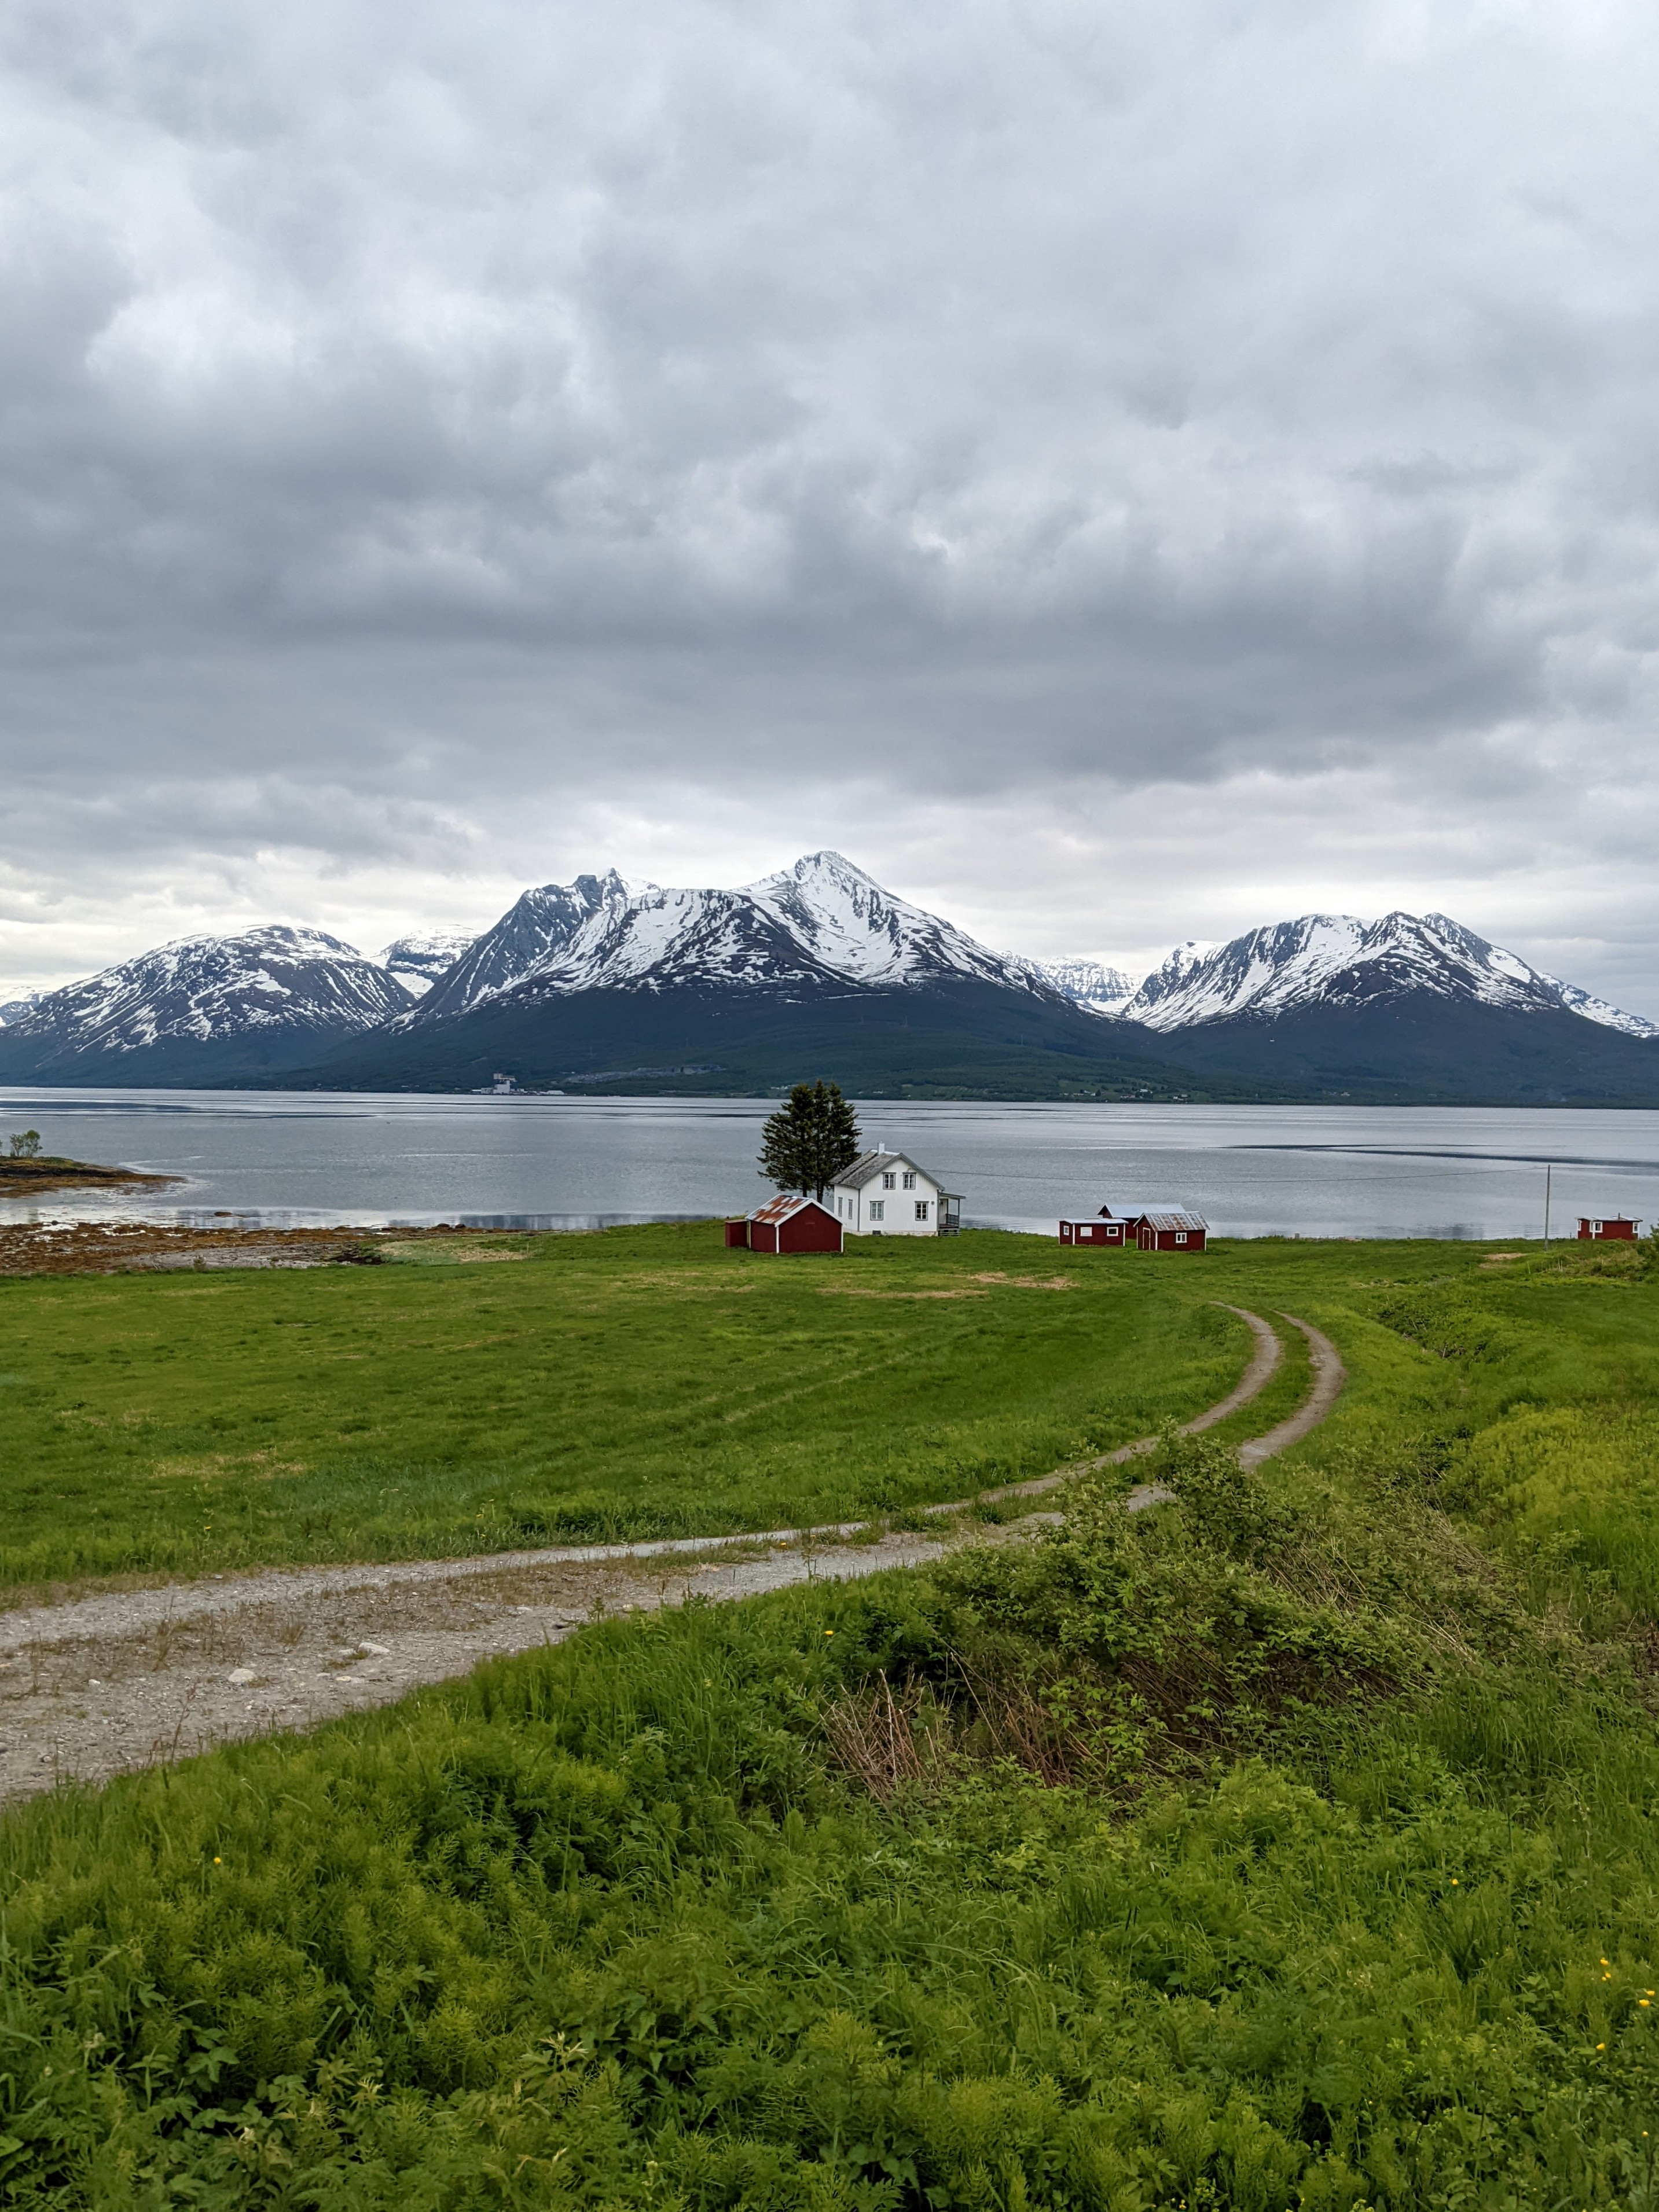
[{"x": 125, "y": 1679}]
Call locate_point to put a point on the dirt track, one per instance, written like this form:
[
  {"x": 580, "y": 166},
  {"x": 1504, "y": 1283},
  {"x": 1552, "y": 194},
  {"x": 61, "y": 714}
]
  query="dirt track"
[{"x": 123, "y": 1679}]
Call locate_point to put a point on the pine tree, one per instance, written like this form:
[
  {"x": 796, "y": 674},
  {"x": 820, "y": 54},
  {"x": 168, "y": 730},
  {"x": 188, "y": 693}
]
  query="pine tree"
[{"x": 807, "y": 1143}]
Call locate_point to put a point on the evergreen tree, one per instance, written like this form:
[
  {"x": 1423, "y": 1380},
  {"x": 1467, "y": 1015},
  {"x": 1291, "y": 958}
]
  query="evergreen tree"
[{"x": 807, "y": 1143}]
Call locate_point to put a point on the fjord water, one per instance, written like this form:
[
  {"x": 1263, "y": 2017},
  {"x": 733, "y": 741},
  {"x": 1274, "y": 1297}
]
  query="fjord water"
[{"x": 293, "y": 1158}]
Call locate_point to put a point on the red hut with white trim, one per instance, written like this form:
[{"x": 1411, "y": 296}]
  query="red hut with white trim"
[
  {"x": 1104, "y": 1233},
  {"x": 786, "y": 1224},
  {"x": 1615, "y": 1228}
]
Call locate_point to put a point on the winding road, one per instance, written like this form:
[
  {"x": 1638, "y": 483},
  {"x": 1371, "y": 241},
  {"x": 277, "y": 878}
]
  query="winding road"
[{"x": 125, "y": 1679}]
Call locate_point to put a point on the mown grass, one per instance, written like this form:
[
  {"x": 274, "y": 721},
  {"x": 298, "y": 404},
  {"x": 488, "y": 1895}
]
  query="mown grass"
[
  {"x": 1287, "y": 1845},
  {"x": 644, "y": 1383}
]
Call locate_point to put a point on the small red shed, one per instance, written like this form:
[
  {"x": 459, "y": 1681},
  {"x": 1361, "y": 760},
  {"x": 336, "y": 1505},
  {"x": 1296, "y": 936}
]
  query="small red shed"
[
  {"x": 1612, "y": 1225},
  {"x": 787, "y": 1223},
  {"x": 1170, "y": 1232},
  {"x": 1099, "y": 1236}
]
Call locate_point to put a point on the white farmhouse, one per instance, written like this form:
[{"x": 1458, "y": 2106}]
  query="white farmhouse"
[{"x": 886, "y": 1194}]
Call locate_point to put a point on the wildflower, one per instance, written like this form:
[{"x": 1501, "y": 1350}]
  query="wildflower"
[
  {"x": 1601, "y": 2046},
  {"x": 218, "y": 1862},
  {"x": 1604, "y": 1962},
  {"x": 1644, "y": 2002},
  {"x": 829, "y": 1631}
]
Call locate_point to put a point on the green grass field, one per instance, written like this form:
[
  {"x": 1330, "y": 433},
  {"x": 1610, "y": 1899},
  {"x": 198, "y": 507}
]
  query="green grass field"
[
  {"x": 644, "y": 1383},
  {"x": 1291, "y": 1845}
]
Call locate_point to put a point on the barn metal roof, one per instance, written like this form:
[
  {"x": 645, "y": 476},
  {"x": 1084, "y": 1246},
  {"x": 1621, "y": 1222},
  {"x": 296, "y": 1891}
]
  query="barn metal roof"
[
  {"x": 784, "y": 1207},
  {"x": 1171, "y": 1221}
]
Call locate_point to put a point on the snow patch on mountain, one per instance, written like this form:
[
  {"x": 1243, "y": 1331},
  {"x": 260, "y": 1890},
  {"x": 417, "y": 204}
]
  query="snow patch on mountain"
[
  {"x": 418, "y": 960},
  {"x": 1091, "y": 984},
  {"x": 205, "y": 988},
  {"x": 12, "y": 1010},
  {"x": 1338, "y": 960},
  {"x": 1599, "y": 1009}
]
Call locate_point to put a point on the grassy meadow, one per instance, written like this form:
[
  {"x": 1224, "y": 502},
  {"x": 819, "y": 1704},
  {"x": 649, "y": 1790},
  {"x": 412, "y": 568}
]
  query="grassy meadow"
[
  {"x": 643, "y": 1382},
  {"x": 1292, "y": 1844}
]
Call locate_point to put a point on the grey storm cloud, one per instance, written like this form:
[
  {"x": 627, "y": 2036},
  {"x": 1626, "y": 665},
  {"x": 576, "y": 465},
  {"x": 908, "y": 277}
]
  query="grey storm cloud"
[{"x": 410, "y": 416}]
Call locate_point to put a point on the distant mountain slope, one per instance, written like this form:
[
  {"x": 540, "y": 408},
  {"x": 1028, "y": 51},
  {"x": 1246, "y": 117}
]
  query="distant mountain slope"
[
  {"x": 1336, "y": 960},
  {"x": 599, "y": 980},
  {"x": 421, "y": 959},
  {"x": 1090, "y": 983},
  {"x": 210, "y": 1010},
  {"x": 1419, "y": 1049},
  {"x": 962, "y": 1037}
]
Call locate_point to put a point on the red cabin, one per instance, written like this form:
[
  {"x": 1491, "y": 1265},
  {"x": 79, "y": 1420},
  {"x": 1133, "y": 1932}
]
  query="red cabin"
[
  {"x": 1170, "y": 1232},
  {"x": 787, "y": 1223},
  {"x": 1612, "y": 1225},
  {"x": 1103, "y": 1236}
]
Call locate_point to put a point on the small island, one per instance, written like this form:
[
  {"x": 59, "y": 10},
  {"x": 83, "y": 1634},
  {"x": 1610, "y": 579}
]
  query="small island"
[{"x": 26, "y": 1171}]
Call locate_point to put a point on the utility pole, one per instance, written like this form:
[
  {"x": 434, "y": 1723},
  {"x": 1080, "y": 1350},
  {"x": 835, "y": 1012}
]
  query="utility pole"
[{"x": 1549, "y": 1169}]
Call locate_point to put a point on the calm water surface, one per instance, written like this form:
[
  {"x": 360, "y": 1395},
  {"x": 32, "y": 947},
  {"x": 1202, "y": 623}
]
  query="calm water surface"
[{"x": 292, "y": 1158}]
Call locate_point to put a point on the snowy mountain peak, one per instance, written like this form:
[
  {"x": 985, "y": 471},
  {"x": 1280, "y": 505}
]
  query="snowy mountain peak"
[
  {"x": 200, "y": 989},
  {"x": 1338, "y": 960},
  {"x": 821, "y": 925}
]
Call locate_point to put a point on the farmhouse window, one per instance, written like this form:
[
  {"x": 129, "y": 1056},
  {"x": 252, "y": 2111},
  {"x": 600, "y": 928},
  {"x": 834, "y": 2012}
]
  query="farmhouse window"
[
  {"x": 922, "y": 1209},
  {"x": 910, "y": 1182},
  {"x": 1181, "y": 1237},
  {"x": 887, "y": 1183},
  {"x": 877, "y": 1209}
]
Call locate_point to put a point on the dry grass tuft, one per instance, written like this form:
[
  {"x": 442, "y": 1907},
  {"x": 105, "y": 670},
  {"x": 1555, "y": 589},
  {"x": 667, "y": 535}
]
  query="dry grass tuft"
[{"x": 888, "y": 1742}]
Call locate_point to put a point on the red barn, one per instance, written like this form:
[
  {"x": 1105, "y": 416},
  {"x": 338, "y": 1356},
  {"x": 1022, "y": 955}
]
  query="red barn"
[
  {"x": 1614, "y": 1227},
  {"x": 787, "y": 1223},
  {"x": 1170, "y": 1232},
  {"x": 1102, "y": 1235}
]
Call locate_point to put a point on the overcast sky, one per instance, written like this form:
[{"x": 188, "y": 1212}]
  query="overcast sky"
[{"x": 1117, "y": 472}]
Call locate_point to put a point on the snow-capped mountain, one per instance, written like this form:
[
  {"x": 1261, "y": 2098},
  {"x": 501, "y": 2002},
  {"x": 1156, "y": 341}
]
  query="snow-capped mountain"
[
  {"x": 1337, "y": 960},
  {"x": 418, "y": 960},
  {"x": 14, "y": 1010},
  {"x": 272, "y": 983},
  {"x": 1089, "y": 984},
  {"x": 818, "y": 927}
]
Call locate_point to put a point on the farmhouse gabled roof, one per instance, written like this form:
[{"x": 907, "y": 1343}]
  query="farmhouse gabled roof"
[
  {"x": 1171, "y": 1221},
  {"x": 870, "y": 1164}
]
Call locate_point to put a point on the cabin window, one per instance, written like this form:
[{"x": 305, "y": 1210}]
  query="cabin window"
[
  {"x": 922, "y": 1209},
  {"x": 1181, "y": 1237},
  {"x": 878, "y": 1210},
  {"x": 910, "y": 1182},
  {"x": 887, "y": 1183}
]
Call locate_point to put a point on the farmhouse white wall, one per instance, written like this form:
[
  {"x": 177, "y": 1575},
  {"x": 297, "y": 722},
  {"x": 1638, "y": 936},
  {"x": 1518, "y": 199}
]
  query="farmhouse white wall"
[{"x": 898, "y": 1199}]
